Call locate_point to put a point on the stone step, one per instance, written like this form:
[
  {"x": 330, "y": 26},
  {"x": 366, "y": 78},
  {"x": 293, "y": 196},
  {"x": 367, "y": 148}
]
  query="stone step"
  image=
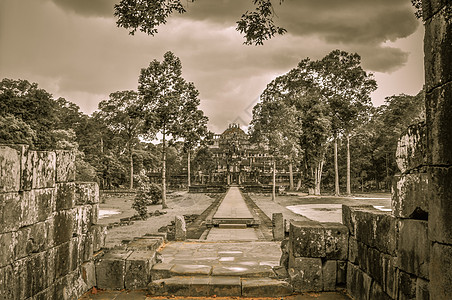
[
  {"x": 232, "y": 226},
  {"x": 222, "y": 286},
  {"x": 167, "y": 270}
]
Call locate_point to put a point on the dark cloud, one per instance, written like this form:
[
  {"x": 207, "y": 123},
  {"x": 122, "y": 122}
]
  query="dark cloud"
[
  {"x": 90, "y": 8},
  {"x": 51, "y": 42}
]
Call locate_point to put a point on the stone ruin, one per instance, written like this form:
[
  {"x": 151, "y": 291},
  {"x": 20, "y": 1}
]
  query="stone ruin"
[
  {"x": 49, "y": 240},
  {"x": 48, "y": 230}
]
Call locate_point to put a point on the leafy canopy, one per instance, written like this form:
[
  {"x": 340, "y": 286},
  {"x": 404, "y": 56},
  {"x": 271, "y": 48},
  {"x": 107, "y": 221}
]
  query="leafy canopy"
[{"x": 147, "y": 15}]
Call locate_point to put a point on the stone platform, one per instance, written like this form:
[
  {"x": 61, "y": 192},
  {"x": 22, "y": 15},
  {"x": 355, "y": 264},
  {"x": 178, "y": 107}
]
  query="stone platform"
[{"x": 218, "y": 268}]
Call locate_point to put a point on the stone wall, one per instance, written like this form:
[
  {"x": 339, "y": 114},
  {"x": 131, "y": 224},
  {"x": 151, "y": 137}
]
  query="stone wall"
[
  {"x": 48, "y": 231},
  {"x": 316, "y": 255},
  {"x": 438, "y": 85},
  {"x": 379, "y": 255}
]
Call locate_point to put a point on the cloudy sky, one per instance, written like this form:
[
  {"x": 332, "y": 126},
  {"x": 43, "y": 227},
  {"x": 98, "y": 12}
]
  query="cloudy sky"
[{"x": 73, "y": 49}]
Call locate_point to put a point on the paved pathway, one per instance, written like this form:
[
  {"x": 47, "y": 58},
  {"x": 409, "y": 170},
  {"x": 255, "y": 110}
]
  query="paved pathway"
[{"x": 233, "y": 206}]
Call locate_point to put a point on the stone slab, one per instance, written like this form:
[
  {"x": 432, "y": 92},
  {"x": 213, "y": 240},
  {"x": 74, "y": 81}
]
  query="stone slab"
[
  {"x": 307, "y": 239},
  {"x": 110, "y": 269},
  {"x": 225, "y": 286},
  {"x": 409, "y": 197},
  {"x": 413, "y": 251},
  {"x": 306, "y": 274},
  {"x": 440, "y": 271},
  {"x": 190, "y": 270},
  {"x": 265, "y": 287},
  {"x": 440, "y": 210}
]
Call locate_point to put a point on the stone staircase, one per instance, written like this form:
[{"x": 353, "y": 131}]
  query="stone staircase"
[
  {"x": 222, "y": 281},
  {"x": 218, "y": 269}
]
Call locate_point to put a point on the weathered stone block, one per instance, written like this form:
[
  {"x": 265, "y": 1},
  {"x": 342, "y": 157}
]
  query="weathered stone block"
[
  {"x": 439, "y": 104},
  {"x": 407, "y": 286},
  {"x": 110, "y": 269},
  {"x": 336, "y": 241},
  {"x": 94, "y": 213},
  {"x": 377, "y": 293},
  {"x": 82, "y": 217},
  {"x": 86, "y": 247},
  {"x": 410, "y": 196},
  {"x": 306, "y": 274},
  {"x": 45, "y": 201},
  {"x": 307, "y": 239},
  {"x": 161, "y": 271},
  {"x": 265, "y": 287},
  {"x": 8, "y": 282},
  {"x": 422, "y": 292},
  {"x": 411, "y": 150},
  {"x": 12, "y": 214},
  {"x": 180, "y": 229},
  {"x": 31, "y": 239},
  {"x": 414, "y": 247},
  {"x": 63, "y": 260},
  {"x": 138, "y": 269},
  {"x": 29, "y": 208},
  {"x": 329, "y": 275},
  {"x": 88, "y": 270},
  {"x": 65, "y": 165},
  {"x": 440, "y": 271},
  {"x": 44, "y": 169},
  {"x": 23, "y": 278},
  {"x": 278, "y": 226},
  {"x": 358, "y": 283},
  {"x": 86, "y": 193},
  {"x": 341, "y": 272},
  {"x": 7, "y": 245},
  {"x": 437, "y": 48},
  {"x": 390, "y": 275},
  {"x": 99, "y": 235},
  {"x": 352, "y": 250},
  {"x": 225, "y": 286},
  {"x": 349, "y": 216},
  {"x": 65, "y": 196},
  {"x": 10, "y": 169},
  {"x": 63, "y": 226},
  {"x": 371, "y": 225},
  {"x": 440, "y": 216},
  {"x": 38, "y": 272}
]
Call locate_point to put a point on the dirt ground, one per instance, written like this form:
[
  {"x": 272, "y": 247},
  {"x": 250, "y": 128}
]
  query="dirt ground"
[
  {"x": 320, "y": 208},
  {"x": 180, "y": 203}
]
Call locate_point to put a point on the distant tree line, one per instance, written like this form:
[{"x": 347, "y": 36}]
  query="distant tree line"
[{"x": 317, "y": 119}]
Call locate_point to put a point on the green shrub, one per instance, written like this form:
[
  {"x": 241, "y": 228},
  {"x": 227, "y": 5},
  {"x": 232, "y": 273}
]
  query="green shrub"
[{"x": 147, "y": 194}]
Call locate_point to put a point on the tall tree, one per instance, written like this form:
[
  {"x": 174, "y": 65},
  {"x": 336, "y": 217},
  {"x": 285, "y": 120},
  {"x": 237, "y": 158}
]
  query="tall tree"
[
  {"x": 120, "y": 114},
  {"x": 346, "y": 87},
  {"x": 163, "y": 93},
  {"x": 274, "y": 124},
  {"x": 193, "y": 127}
]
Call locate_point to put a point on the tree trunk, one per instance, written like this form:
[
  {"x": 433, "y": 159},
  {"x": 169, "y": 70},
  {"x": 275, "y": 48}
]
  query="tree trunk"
[
  {"x": 164, "y": 172},
  {"x": 349, "y": 189},
  {"x": 318, "y": 178},
  {"x": 290, "y": 176},
  {"x": 274, "y": 181},
  {"x": 188, "y": 168},
  {"x": 131, "y": 168},
  {"x": 336, "y": 170},
  {"x": 299, "y": 181}
]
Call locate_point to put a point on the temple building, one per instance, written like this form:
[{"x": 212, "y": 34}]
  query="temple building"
[{"x": 240, "y": 162}]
